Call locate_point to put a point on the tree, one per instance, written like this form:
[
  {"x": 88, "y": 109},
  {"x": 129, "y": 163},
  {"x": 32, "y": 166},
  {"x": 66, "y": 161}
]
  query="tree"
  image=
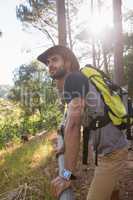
[
  {"x": 61, "y": 16},
  {"x": 128, "y": 63},
  {"x": 69, "y": 24},
  {"x": 34, "y": 91},
  {"x": 32, "y": 87},
  {"x": 118, "y": 42},
  {"x": 40, "y": 15},
  {"x": 0, "y": 33},
  {"x": 129, "y": 20},
  {"x": 93, "y": 38}
]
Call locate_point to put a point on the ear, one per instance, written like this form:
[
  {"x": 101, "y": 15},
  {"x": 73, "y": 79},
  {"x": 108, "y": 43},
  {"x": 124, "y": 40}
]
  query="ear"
[{"x": 67, "y": 65}]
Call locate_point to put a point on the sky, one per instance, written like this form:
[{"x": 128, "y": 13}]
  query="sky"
[{"x": 15, "y": 44}]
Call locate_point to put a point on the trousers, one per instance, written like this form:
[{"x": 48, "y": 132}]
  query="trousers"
[{"x": 107, "y": 175}]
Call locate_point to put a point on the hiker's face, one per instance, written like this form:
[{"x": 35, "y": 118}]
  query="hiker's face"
[{"x": 55, "y": 64}]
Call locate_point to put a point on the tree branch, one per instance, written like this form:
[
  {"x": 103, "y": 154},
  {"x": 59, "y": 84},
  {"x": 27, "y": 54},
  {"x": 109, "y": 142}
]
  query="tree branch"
[{"x": 44, "y": 31}]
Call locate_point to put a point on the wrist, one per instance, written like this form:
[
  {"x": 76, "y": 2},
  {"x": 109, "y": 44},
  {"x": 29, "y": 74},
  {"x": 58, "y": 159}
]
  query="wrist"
[{"x": 67, "y": 175}]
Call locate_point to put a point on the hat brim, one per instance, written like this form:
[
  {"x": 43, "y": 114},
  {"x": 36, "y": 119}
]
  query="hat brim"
[{"x": 53, "y": 50}]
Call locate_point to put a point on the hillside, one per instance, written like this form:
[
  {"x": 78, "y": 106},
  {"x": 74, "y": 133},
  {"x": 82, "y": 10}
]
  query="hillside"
[
  {"x": 26, "y": 171},
  {"x": 4, "y": 89}
]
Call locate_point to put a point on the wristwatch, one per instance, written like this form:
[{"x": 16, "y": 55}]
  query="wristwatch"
[{"x": 67, "y": 175}]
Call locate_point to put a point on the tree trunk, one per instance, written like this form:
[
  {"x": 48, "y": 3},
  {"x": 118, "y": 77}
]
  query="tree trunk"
[
  {"x": 69, "y": 24},
  {"x": 118, "y": 43},
  {"x": 61, "y": 22},
  {"x": 105, "y": 61},
  {"x": 93, "y": 39},
  {"x": 0, "y": 33}
]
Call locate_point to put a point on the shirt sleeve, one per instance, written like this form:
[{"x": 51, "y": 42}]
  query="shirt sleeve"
[{"x": 76, "y": 85}]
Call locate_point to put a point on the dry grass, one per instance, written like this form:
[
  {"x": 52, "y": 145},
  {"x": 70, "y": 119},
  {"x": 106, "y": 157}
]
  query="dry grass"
[{"x": 25, "y": 171}]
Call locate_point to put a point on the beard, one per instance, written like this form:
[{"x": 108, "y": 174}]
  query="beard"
[{"x": 59, "y": 74}]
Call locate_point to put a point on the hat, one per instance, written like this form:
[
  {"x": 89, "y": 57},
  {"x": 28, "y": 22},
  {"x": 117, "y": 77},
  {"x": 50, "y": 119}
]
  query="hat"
[{"x": 57, "y": 49}]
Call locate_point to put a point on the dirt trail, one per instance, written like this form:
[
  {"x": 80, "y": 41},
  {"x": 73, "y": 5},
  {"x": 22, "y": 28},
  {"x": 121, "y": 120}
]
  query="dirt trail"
[{"x": 85, "y": 176}]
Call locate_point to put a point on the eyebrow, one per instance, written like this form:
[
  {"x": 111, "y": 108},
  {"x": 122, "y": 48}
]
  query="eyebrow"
[{"x": 52, "y": 57}]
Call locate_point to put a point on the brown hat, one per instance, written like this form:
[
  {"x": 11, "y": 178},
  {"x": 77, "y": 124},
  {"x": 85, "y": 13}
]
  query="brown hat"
[
  {"x": 65, "y": 52},
  {"x": 57, "y": 49}
]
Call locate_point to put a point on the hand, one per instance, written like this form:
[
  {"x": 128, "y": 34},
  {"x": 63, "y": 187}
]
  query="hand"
[
  {"x": 58, "y": 185},
  {"x": 91, "y": 153},
  {"x": 59, "y": 151}
]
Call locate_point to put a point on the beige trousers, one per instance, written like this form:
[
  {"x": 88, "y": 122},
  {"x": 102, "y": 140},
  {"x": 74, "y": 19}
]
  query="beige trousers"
[{"x": 107, "y": 175}]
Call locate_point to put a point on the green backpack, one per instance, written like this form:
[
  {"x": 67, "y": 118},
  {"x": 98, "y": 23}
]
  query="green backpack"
[{"x": 119, "y": 114}]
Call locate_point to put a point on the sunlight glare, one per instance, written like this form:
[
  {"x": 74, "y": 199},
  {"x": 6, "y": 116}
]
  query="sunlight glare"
[{"x": 95, "y": 24}]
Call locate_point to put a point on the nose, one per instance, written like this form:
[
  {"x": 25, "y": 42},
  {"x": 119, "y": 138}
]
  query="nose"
[{"x": 50, "y": 66}]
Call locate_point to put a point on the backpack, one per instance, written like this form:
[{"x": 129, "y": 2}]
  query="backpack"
[{"x": 117, "y": 106}]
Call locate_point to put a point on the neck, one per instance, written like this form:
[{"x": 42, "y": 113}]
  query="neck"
[{"x": 60, "y": 84}]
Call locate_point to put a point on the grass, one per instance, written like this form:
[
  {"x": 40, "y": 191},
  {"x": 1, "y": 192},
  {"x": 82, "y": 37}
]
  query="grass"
[{"x": 26, "y": 170}]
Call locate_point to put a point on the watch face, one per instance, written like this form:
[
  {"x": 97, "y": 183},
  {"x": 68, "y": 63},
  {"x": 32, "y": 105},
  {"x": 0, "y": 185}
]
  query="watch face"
[{"x": 67, "y": 174}]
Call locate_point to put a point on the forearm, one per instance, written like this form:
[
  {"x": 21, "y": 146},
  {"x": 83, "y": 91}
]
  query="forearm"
[{"x": 72, "y": 146}]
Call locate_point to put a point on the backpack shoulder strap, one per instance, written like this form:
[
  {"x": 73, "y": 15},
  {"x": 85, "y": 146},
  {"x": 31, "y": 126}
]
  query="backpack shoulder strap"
[{"x": 90, "y": 71}]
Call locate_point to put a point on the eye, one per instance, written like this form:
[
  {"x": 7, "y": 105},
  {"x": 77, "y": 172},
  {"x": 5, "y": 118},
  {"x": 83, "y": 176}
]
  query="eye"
[
  {"x": 55, "y": 59},
  {"x": 48, "y": 61}
]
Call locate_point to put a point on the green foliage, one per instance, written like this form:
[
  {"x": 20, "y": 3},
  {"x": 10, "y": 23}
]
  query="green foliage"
[
  {"x": 9, "y": 121},
  {"x": 33, "y": 105},
  {"x": 128, "y": 42},
  {"x": 128, "y": 59},
  {"x": 30, "y": 85},
  {"x": 41, "y": 15},
  {"x": 51, "y": 116},
  {"x": 128, "y": 62},
  {"x": 30, "y": 10}
]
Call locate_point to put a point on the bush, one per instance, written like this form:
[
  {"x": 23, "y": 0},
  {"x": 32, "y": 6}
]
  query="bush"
[{"x": 14, "y": 122}]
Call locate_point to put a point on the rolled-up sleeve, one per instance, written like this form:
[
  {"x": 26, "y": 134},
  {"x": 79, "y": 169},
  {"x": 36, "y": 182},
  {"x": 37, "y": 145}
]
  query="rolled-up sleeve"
[{"x": 76, "y": 85}]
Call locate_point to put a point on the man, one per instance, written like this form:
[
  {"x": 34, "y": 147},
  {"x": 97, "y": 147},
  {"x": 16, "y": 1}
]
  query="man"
[{"x": 112, "y": 145}]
